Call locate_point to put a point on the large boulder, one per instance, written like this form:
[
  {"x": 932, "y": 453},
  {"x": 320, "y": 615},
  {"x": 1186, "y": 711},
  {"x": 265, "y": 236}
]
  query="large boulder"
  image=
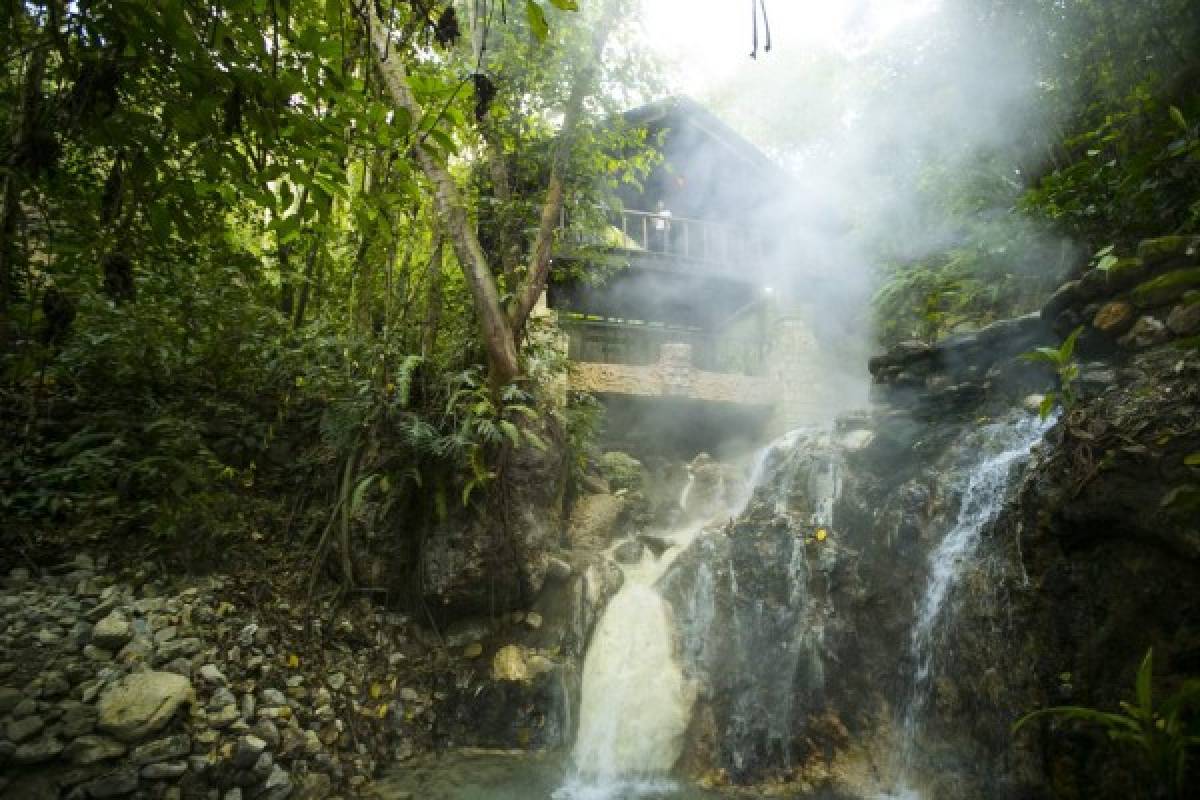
[
  {"x": 142, "y": 703},
  {"x": 493, "y": 555}
]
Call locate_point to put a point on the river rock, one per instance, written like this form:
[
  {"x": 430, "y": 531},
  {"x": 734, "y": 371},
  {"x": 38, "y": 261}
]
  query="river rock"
[
  {"x": 164, "y": 749},
  {"x": 247, "y": 750},
  {"x": 1114, "y": 318},
  {"x": 112, "y": 632},
  {"x": 91, "y": 749},
  {"x": 1065, "y": 297},
  {"x": 117, "y": 783},
  {"x": 1146, "y": 332},
  {"x": 21, "y": 729},
  {"x": 1184, "y": 320},
  {"x": 142, "y": 703},
  {"x": 38, "y": 750}
]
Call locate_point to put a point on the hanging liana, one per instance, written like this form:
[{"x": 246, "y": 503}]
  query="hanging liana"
[{"x": 757, "y": 6}]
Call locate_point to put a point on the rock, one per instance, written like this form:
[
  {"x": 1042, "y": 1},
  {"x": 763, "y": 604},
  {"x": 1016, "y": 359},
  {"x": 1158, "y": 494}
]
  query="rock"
[
  {"x": 78, "y": 721},
  {"x": 313, "y": 786},
  {"x": 473, "y": 650},
  {"x": 1168, "y": 249},
  {"x": 509, "y": 664},
  {"x": 278, "y": 785},
  {"x": 533, "y": 620},
  {"x": 1184, "y": 320},
  {"x": 857, "y": 441},
  {"x": 594, "y": 519},
  {"x": 91, "y": 749},
  {"x": 164, "y": 749},
  {"x": 628, "y": 552},
  {"x": 1146, "y": 332},
  {"x": 1065, "y": 297},
  {"x": 21, "y": 729},
  {"x": 220, "y": 698},
  {"x": 115, "y": 784},
  {"x": 38, "y": 750},
  {"x": 224, "y": 717},
  {"x": 272, "y": 697},
  {"x": 1114, "y": 318},
  {"x": 247, "y": 750},
  {"x": 266, "y": 730},
  {"x": 9, "y": 698},
  {"x": 336, "y": 681},
  {"x": 212, "y": 676},
  {"x": 112, "y": 632},
  {"x": 179, "y": 648},
  {"x": 463, "y": 632},
  {"x": 142, "y": 703},
  {"x": 99, "y": 654},
  {"x": 1166, "y": 288},
  {"x": 167, "y": 770},
  {"x": 557, "y": 569}
]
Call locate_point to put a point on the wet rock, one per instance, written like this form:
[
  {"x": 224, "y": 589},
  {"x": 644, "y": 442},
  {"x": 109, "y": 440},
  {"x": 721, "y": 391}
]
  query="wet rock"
[
  {"x": 628, "y": 552},
  {"x": 142, "y": 703},
  {"x": 1066, "y": 296},
  {"x": 557, "y": 569},
  {"x": 91, "y": 749},
  {"x": 112, "y": 632}
]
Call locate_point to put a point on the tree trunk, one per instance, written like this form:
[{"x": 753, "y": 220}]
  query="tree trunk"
[
  {"x": 10, "y": 184},
  {"x": 433, "y": 299},
  {"x": 527, "y": 296},
  {"x": 503, "y": 365}
]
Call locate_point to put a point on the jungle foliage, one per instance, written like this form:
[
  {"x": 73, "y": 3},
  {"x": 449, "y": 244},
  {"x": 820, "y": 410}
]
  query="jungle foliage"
[
  {"x": 232, "y": 305},
  {"x": 1114, "y": 159}
]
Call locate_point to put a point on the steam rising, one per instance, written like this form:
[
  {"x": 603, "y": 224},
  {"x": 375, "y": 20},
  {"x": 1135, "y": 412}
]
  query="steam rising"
[{"x": 885, "y": 114}]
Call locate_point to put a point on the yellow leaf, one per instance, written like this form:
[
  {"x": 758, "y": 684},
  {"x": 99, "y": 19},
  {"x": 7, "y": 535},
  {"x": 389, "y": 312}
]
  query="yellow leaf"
[
  {"x": 383, "y": 709},
  {"x": 293, "y": 660},
  {"x": 376, "y": 691},
  {"x": 821, "y": 534}
]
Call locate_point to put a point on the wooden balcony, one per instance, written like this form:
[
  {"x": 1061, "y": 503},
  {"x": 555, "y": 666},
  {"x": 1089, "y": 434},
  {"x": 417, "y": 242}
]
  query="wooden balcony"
[{"x": 660, "y": 240}]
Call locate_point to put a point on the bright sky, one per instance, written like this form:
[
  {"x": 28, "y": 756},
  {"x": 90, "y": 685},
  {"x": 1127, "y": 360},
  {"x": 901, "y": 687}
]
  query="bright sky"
[{"x": 709, "y": 40}]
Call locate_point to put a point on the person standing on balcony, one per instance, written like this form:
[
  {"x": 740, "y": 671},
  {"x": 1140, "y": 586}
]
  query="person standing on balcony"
[{"x": 662, "y": 229}]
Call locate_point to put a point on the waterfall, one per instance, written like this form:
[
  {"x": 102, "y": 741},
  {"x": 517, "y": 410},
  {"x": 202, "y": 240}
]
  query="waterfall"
[
  {"x": 983, "y": 488},
  {"x": 637, "y": 701}
]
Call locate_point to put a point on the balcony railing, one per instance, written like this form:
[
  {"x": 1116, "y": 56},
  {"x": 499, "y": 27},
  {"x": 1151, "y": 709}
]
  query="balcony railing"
[{"x": 663, "y": 234}]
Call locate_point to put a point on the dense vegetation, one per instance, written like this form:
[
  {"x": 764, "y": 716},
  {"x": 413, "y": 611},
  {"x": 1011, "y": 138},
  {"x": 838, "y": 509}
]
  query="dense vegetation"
[
  {"x": 268, "y": 268},
  {"x": 1113, "y": 157},
  {"x": 267, "y": 265}
]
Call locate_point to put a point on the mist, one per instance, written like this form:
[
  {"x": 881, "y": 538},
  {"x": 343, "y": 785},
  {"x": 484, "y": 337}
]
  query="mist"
[{"x": 904, "y": 130}]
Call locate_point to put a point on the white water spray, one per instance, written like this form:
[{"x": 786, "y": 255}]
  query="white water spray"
[
  {"x": 983, "y": 493},
  {"x": 637, "y": 702}
]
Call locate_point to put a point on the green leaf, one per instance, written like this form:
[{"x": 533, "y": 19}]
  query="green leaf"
[
  {"x": 1047, "y": 405},
  {"x": 1192, "y": 459},
  {"x": 1142, "y": 689},
  {"x": 360, "y": 492},
  {"x": 1180, "y": 120},
  {"x": 511, "y": 431},
  {"x": 565, "y": 5},
  {"x": 537, "y": 20},
  {"x": 1068, "y": 347}
]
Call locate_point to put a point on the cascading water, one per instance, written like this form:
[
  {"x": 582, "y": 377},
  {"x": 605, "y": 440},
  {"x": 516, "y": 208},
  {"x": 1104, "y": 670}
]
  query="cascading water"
[
  {"x": 637, "y": 700},
  {"x": 982, "y": 490}
]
